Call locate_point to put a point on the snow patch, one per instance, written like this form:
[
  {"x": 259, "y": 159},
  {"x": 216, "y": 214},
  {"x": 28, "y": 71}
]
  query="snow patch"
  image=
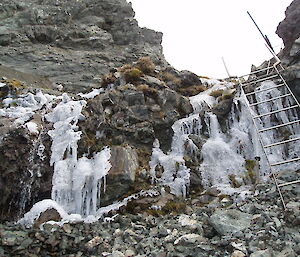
[
  {"x": 92, "y": 94},
  {"x": 32, "y": 127}
]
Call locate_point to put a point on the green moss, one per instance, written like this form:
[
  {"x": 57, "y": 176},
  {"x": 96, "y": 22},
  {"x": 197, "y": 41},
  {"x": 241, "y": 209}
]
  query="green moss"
[
  {"x": 15, "y": 84},
  {"x": 132, "y": 75},
  {"x": 227, "y": 96},
  {"x": 250, "y": 172},
  {"x": 250, "y": 164},
  {"x": 216, "y": 93},
  {"x": 174, "y": 206}
]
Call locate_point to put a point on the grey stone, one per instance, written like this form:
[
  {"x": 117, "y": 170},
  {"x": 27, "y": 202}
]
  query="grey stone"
[
  {"x": 230, "y": 221},
  {"x": 262, "y": 253},
  {"x": 99, "y": 35},
  {"x": 122, "y": 174}
]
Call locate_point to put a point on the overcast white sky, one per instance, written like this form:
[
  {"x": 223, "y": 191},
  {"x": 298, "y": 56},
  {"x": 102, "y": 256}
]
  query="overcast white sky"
[{"x": 198, "y": 33}]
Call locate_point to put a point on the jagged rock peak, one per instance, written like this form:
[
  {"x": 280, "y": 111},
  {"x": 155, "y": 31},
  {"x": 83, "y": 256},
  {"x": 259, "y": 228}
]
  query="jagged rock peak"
[
  {"x": 289, "y": 28},
  {"x": 73, "y": 42}
]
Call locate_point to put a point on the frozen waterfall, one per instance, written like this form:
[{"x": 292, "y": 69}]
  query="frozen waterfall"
[
  {"x": 225, "y": 150},
  {"x": 77, "y": 183}
]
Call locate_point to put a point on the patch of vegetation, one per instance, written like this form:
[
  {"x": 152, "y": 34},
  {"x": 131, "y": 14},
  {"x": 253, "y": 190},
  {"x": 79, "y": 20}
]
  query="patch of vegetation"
[
  {"x": 175, "y": 207},
  {"x": 15, "y": 84},
  {"x": 216, "y": 93},
  {"x": 234, "y": 182},
  {"x": 125, "y": 67},
  {"x": 169, "y": 77},
  {"x": 146, "y": 65},
  {"x": 89, "y": 140},
  {"x": 250, "y": 168},
  {"x": 132, "y": 75},
  {"x": 108, "y": 79},
  {"x": 192, "y": 90},
  {"x": 148, "y": 91},
  {"x": 227, "y": 96}
]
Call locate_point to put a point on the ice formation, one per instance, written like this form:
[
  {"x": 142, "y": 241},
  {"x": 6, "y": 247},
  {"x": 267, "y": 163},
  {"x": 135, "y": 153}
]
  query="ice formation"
[
  {"x": 91, "y": 94},
  {"x": 224, "y": 153},
  {"x": 76, "y": 182},
  {"x": 23, "y": 108}
]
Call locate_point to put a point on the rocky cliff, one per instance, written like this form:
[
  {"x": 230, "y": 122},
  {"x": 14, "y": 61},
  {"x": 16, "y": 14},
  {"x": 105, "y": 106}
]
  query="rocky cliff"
[
  {"x": 289, "y": 31},
  {"x": 72, "y": 46},
  {"x": 123, "y": 154},
  {"x": 73, "y": 42}
]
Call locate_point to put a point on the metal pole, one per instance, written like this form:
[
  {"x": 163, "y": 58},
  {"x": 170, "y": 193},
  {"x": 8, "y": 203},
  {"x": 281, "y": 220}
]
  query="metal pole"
[
  {"x": 225, "y": 67},
  {"x": 263, "y": 35}
]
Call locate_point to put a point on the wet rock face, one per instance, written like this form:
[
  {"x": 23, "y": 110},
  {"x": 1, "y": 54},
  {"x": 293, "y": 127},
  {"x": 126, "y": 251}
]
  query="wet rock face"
[
  {"x": 122, "y": 174},
  {"x": 73, "y": 42},
  {"x": 24, "y": 177},
  {"x": 289, "y": 28}
]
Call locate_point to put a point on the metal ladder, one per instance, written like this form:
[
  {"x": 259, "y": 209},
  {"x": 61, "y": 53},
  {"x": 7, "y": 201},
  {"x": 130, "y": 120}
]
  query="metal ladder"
[{"x": 248, "y": 90}]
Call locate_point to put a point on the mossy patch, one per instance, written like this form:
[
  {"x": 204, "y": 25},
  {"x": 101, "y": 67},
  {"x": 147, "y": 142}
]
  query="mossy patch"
[
  {"x": 192, "y": 90},
  {"x": 108, "y": 79},
  {"x": 133, "y": 75},
  {"x": 250, "y": 170},
  {"x": 169, "y": 77},
  {"x": 233, "y": 180},
  {"x": 216, "y": 93},
  {"x": 146, "y": 65},
  {"x": 15, "y": 84},
  {"x": 147, "y": 90}
]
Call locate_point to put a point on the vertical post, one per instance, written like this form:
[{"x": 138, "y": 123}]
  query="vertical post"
[
  {"x": 271, "y": 49},
  {"x": 225, "y": 67}
]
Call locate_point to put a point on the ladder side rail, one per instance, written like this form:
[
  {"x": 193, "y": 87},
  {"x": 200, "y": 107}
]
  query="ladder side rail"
[
  {"x": 264, "y": 150},
  {"x": 257, "y": 71},
  {"x": 290, "y": 91}
]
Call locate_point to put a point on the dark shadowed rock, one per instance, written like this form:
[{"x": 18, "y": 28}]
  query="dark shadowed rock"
[
  {"x": 289, "y": 28},
  {"x": 47, "y": 215},
  {"x": 122, "y": 174}
]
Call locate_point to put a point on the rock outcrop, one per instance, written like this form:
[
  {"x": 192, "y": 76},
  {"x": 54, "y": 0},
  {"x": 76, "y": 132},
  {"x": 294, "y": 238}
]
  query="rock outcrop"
[
  {"x": 289, "y": 28},
  {"x": 73, "y": 42},
  {"x": 289, "y": 31}
]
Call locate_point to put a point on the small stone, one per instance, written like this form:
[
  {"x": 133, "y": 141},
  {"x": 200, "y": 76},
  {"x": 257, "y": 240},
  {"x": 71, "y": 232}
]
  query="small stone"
[
  {"x": 94, "y": 242},
  {"x": 262, "y": 253},
  {"x": 117, "y": 254},
  {"x": 238, "y": 253},
  {"x": 67, "y": 228},
  {"x": 189, "y": 239},
  {"x": 129, "y": 253}
]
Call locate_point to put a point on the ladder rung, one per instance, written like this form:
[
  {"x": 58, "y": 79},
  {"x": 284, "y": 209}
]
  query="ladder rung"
[
  {"x": 278, "y": 126},
  {"x": 283, "y": 162},
  {"x": 269, "y": 100},
  {"x": 282, "y": 142},
  {"x": 273, "y": 112},
  {"x": 260, "y": 80},
  {"x": 289, "y": 183},
  {"x": 266, "y": 89}
]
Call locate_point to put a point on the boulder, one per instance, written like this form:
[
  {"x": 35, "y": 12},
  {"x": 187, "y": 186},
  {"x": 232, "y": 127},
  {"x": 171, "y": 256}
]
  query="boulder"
[
  {"x": 122, "y": 174},
  {"x": 230, "y": 221},
  {"x": 262, "y": 253}
]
